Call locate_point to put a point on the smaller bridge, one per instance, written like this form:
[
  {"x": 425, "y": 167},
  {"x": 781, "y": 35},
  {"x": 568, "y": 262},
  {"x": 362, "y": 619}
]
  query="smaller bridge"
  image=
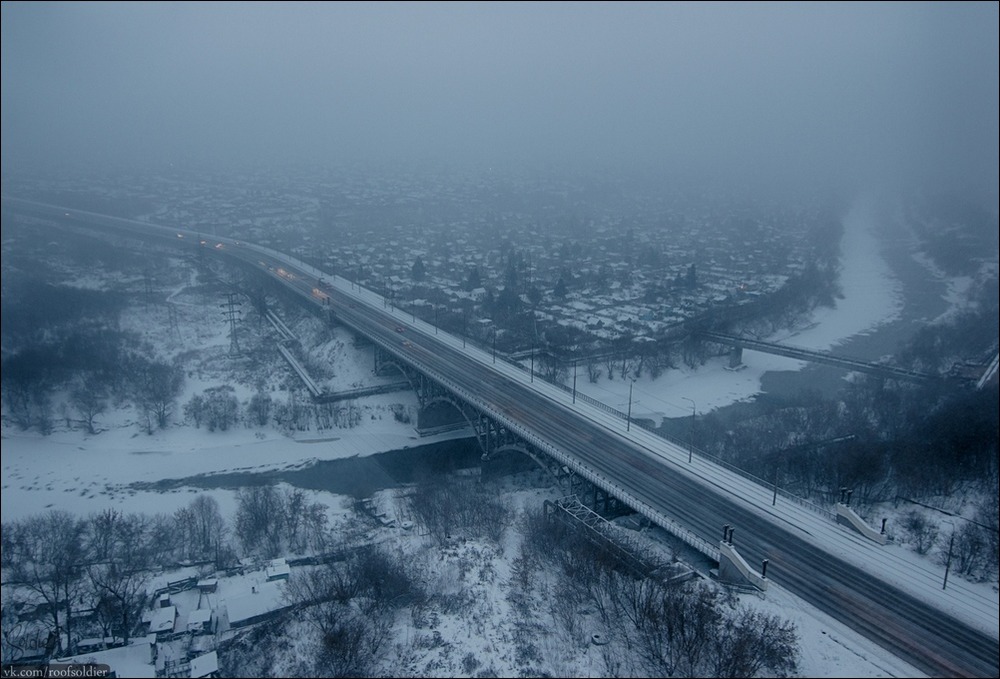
[{"x": 879, "y": 369}]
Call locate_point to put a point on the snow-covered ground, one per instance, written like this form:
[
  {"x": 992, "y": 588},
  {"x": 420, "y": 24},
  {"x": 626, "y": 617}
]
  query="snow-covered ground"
[
  {"x": 871, "y": 297},
  {"x": 70, "y": 470}
]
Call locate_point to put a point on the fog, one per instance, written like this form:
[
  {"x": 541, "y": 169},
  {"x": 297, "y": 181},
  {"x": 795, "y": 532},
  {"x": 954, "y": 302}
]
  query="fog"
[{"x": 845, "y": 94}]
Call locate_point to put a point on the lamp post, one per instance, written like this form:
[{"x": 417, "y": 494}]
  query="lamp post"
[
  {"x": 628, "y": 418},
  {"x": 691, "y": 433},
  {"x": 494, "y": 343},
  {"x": 947, "y": 563},
  {"x": 574, "y": 380}
]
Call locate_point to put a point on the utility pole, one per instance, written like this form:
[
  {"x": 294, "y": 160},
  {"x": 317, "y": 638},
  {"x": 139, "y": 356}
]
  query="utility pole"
[
  {"x": 232, "y": 313},
  {"x": 574, "y": 380},
  {"x": 947, "y": 564},
  {"x": 628, "y": 417},
  {"x": 694, "y": 409}
]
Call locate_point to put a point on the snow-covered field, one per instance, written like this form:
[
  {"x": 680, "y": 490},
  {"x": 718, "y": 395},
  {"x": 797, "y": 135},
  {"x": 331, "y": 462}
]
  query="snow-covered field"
[{"x": 82, "y": 473}]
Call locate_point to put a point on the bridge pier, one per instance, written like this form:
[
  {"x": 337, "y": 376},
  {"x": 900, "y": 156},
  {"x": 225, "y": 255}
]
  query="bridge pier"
[{"x": 736, "y": 358}]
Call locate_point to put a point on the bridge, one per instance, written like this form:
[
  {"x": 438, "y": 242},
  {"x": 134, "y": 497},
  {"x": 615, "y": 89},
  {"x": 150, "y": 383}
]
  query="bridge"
[
  {"x": 853, "y": 579},
  {"x": 880, "y": 369}
]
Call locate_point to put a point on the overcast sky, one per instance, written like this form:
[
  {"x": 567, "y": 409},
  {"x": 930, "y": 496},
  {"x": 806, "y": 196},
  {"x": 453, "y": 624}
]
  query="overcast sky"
[{"x": 782, "y": 91}]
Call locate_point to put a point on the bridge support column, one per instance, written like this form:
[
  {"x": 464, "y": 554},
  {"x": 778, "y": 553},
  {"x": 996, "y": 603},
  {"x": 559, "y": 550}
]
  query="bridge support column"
[{"x": 736, "y": 358}]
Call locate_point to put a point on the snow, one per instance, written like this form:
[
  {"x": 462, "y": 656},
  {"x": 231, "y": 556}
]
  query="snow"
[
  {"x": 259, "y": 598},
  {"x": 204, "y": 665},
  {"x": 81, "y": 473},
  {"x": 871, "y": 297},
  {"x": 133, "y": 660}
]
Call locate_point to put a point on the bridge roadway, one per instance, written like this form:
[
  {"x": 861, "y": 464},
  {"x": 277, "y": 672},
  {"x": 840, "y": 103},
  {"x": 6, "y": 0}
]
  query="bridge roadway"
[
  {"x": 817, "y": 357},
  {"x": 831, "y": 568}
]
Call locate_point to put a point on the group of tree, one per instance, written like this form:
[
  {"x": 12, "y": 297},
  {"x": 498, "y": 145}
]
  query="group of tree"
[
  {"x": 884, "y": 440},
  {"x": 106, "y": 560},
  {"x": 443, "y": 508},
  {"x": 654, "y": 627},
  {"x": 219, "y": 409},
  {"x": 270, "y": 521},
  {"x": 348, "y": 606},
  {"x": 95, "y": 367}
]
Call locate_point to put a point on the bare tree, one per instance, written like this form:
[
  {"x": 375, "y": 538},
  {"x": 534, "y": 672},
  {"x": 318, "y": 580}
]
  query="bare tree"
[
  {"x": 754, "y": 643},
  {"x": 154, "y": 386},
  {"x": 118, "y": 579},
  {"x": 593, "y": 371},
  {"x": 89, "y": 399},
  {"x": 13, "y": 630},
  {"x": 260, "y": 520},
  {"x": 50, "y": 563}
]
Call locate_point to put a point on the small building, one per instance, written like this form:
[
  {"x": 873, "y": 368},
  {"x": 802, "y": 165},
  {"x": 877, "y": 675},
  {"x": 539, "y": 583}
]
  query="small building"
[
  {"x": 163, "y": 621},
  {"x": 200, "y": 621},
  {"x": 208, "y": 585},
  {"x": 278, "y": 569},
  {"x": 163, "y": 601},
  {"x": 264, "y": 601},
  {"x": 205, "y": 666},
  {"x": 97, "y": 644},
  {"x": 135, "y": 660}
]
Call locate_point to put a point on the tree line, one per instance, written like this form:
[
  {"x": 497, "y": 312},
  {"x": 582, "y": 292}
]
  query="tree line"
[{"x": 57, "y": 563}]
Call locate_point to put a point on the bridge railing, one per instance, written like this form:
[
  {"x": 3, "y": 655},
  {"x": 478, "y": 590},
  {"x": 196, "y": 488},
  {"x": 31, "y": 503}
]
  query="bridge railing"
[{"x": 694, "y": 450}]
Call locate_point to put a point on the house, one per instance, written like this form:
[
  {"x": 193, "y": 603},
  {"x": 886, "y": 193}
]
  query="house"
[
  {"x": 163, "y": 621},
  {"x": 208, "y": 585},
  {"x": 200, "y": 621},
  {"x": 135, "y": 660},
  {"x": 264, "y": 600},
  {"x": 205, "y": 666},
  {"x": 97, "y": 644},
  {"x": 278, "y": 569}
]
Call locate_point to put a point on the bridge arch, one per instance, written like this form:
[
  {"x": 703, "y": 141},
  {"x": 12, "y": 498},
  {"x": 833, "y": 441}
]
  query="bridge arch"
[
  {"x": 470, "y": 415},
  {"x": 401, "y": 369},
  {"x": 547, "y": 465}
]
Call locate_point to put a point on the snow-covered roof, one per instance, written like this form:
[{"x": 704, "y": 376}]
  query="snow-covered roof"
[
  {"x": 204, "y": 665},
  {"x": 163, "y": 619},
  {"x": 278, "y": 568},
  {"x": 199, "y": 617},
  {"x": 262, "y": 598},
  {"x": 134, "y": 660}
]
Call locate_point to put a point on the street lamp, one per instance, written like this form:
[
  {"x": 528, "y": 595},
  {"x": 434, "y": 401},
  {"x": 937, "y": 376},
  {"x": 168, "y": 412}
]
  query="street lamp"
[
  {"x": 574, "y": 380},
  {"x": 947, "y": 563},
  {"x": 628, "y": 417},
  {"x": 532, "y": 371},
  {"x": 691, "y": 433}
]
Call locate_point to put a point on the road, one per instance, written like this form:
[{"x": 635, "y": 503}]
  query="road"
[{"x": 810, "y": 562}]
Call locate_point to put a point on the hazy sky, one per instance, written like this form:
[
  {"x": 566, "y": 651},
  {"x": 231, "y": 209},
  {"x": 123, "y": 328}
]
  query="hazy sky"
[{"x": 779, "y": 91}]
